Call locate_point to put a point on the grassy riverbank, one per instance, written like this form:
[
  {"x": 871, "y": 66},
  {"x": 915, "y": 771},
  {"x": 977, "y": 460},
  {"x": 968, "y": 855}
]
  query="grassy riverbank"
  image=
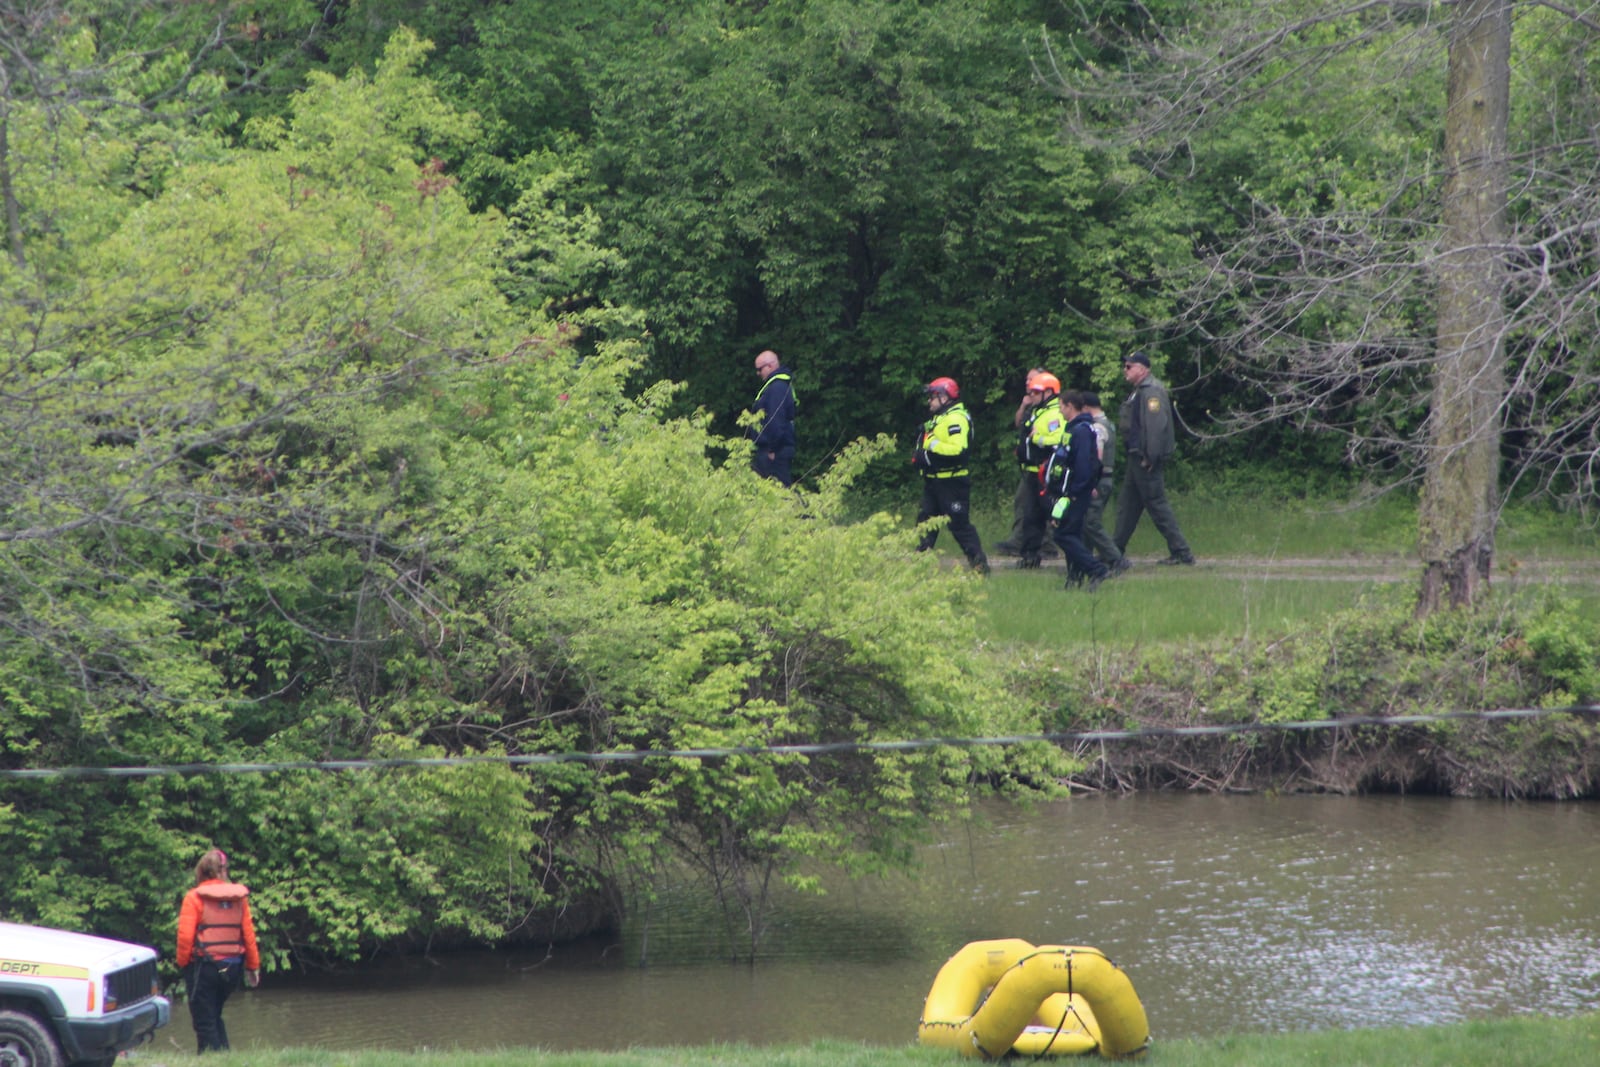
[
  {"x": 1302, "y": 610},
  {"x": 1570, "y": 1042},
  {"x": 1272, "y": 567}
]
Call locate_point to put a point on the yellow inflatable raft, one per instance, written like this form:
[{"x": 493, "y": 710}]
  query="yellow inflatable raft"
[{"x": 1055, "y": 1000}]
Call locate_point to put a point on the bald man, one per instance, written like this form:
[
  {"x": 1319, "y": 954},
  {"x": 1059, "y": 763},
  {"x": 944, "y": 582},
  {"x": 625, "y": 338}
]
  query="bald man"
[{"x": 774, "y": 430}]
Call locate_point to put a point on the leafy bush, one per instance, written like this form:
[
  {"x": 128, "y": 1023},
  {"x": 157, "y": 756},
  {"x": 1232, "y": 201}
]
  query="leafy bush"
[
  {"x": 1376, "y": 661},
  {"x": 1565, "y": 649},
  {"x": 350, "y": 504}
]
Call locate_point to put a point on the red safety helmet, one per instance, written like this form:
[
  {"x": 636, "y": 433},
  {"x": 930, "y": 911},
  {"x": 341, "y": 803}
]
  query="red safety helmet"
[
  {"x": 947, "y": 386},
  {"x": 1044, "y": 380}
]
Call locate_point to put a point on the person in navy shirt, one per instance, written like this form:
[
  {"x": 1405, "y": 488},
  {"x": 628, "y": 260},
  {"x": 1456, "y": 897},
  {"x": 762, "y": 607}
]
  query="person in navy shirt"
[
  {"x": 1072, "y": 482},
  {"x": 774, "y": 429}
]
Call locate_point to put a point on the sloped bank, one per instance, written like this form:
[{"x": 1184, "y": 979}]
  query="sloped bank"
[
  {"x": 1359, "y": 665},
  {"x": 1555, "y": 758}
]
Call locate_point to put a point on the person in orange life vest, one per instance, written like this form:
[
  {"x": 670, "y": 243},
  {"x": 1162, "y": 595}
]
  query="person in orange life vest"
[{"x": 216, "y": 946}]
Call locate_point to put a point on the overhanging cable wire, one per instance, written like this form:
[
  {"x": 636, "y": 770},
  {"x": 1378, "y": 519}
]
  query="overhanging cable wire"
[{"x": 802, "y": 749}]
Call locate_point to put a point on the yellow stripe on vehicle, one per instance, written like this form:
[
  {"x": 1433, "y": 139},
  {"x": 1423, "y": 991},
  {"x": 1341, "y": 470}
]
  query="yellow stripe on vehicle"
[{"x": 35, "y": 969}]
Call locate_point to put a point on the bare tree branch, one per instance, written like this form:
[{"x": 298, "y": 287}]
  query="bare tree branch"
[{"x": 1334, "y": 316}]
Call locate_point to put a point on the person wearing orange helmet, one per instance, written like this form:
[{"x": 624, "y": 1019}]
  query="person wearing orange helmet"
[
  {"x": 1037, "y": 438},
  {"x": 941, "y": 457},
  {"x": 1027, "y": 486}
]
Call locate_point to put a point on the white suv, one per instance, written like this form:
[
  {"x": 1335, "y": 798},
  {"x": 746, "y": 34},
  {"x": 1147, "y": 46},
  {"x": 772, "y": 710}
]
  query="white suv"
[{"x": 70, "y": 998}]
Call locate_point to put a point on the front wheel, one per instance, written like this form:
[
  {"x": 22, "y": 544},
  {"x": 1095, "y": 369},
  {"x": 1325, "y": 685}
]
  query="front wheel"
[{"x": 26, "y": 1042}]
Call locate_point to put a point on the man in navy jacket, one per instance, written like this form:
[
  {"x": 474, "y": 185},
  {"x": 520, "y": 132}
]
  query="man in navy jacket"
[
  {"x": 774, "y": 429},
  {"x": 1073, "y": 481}
]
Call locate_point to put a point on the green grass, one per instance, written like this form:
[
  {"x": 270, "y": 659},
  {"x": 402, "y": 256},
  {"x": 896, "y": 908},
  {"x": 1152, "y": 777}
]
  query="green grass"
[
  {"x": 1521, "y": 1042},
  {"x": 1266, "y": 528},
  {"x": 1160, "y": 604},
  {"x": 1223, "y": 528},
  {"x": 1266, "y": 568}
]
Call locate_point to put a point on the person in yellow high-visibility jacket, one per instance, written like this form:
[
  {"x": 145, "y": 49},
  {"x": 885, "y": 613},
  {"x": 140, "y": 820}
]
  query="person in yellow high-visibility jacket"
[
  {"x": 1028, "y": 483},
  {"x": 1041, "y": 431},
  {"x": 941, "y": 456}
]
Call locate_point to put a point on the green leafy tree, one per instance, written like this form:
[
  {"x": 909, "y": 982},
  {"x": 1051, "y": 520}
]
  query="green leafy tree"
[
  {"x": 296, "y": 482},
  {"x": 878, "y": 191},
  {"x": 660, "y": 600},
  {"x": 206, "y": 526}
]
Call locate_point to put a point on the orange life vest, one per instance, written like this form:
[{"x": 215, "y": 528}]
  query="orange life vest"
[{"x": 220, "y": 933}]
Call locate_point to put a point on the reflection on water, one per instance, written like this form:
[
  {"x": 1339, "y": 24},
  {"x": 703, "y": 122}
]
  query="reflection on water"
[{"x": 1228, "y": 913}]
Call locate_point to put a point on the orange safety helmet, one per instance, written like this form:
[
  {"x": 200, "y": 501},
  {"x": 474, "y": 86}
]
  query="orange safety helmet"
[
  {"x": 1044, "y": 380},
  {"x": 947, "y": 386}
]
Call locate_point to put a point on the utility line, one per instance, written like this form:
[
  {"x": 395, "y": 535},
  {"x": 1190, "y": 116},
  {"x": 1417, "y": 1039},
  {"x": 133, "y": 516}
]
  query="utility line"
[{"x": 804, "y": 749}]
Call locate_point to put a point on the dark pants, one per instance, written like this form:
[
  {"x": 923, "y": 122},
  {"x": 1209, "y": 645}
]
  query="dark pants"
[
  {"x": 1094, "y": 531},
  {"x": 1025, "y": 500},
  {"x": 1027, "y": 489},
  {"x": 209, "y": 986},
  {"x": 775, "y": 467},
  {"x": 1035, "y": 523},
  {"x": 1146, "y": 490},
  {"x": 952, "y": 497},
  {"x": 1069, "y": 536}
]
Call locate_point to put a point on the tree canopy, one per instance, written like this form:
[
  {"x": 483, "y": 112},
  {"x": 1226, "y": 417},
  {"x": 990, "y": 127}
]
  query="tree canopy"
[
  {"x": 371, "y": 377},
  {"x": 294, "y": 480}
]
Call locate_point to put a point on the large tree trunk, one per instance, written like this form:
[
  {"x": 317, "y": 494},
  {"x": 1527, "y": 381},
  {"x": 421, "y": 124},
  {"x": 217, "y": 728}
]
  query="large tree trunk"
[{"x": 1461, "y": 487}]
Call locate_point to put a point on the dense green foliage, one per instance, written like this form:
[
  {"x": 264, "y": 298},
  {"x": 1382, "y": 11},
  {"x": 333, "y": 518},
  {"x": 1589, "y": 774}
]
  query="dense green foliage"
[
  {"x": 1526, "y": 651},
  {"x": 369, "y": 390},
  {"x": 297, "y": 482},
  {"x": 879, "y": 191}
]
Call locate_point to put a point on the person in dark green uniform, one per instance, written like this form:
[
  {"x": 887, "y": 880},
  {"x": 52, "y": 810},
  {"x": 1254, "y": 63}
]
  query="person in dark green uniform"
[
  {"x": 1146, "y": 425},
  {"x": 941, "y": 456}
]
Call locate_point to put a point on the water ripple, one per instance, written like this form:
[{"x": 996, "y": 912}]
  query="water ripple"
[{"x": 1229, "y": 914}]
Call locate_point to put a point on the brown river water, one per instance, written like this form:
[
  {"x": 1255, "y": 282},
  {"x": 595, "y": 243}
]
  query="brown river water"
[{"x": 1228, "y": 913}]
